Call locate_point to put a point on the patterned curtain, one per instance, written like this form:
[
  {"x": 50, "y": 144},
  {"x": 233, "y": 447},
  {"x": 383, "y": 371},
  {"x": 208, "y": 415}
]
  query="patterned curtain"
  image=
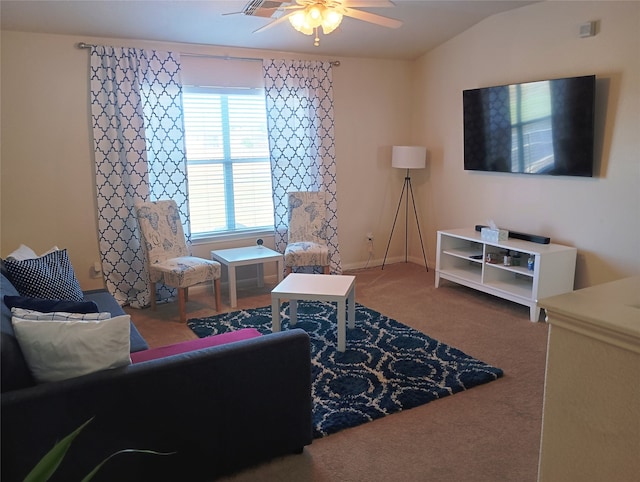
[
  {"x": 299, "y": 97},
  {"x": 136, "y": 109}
]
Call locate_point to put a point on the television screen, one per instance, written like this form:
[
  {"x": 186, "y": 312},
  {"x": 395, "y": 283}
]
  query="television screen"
[{"x": 544, "y": 127}]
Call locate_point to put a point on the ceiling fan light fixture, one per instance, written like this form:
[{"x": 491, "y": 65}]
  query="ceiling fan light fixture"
[
  {"x": 331, "y": 20},
  {"x": 315, "y": 15},
  {"x": 310, "y": 18},
  {"x": 299, "y": 21}
]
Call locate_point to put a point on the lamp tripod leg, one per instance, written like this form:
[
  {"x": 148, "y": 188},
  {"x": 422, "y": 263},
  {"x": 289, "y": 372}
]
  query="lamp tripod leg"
[
  {"x": 415, "y": 212},
  {"x": 394, "y": 222}
]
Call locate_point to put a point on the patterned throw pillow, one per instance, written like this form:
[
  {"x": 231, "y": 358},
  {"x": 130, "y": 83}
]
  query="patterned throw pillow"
[
  {"x": 50, "y": 277},
  {"x": 33, "y": 315}
]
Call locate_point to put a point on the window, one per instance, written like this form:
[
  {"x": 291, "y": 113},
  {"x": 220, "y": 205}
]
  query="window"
[
  {"x": 531, "y": 131},
  {"x": 228, "y": 165}
]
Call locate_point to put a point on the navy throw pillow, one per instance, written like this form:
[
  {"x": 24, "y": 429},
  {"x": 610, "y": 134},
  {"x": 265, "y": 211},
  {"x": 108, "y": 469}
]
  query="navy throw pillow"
[
  {"x": 49, "y": 306},
  {"x": 50, "y": 277}
]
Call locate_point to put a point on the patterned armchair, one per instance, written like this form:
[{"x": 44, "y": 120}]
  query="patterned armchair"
[
  {"x": 168, "y": 257},
  {"x": 307, "y": 245}
]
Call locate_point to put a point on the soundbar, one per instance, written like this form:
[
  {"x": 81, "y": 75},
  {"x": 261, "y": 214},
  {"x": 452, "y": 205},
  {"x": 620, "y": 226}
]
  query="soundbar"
[{"x": 534, "y": 238}]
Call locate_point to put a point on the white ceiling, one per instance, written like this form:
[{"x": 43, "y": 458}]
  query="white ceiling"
[{"x": 426, "y": 24}]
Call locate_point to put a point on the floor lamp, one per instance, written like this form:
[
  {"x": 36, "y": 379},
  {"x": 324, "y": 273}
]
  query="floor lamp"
[{"x": 407, "y": 157}]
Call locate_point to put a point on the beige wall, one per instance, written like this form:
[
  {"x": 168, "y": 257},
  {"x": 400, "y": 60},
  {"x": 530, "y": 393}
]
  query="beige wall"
[
  {"x": 47, "y": 185},
  {"x": 47, "y": 179},
  {"x": 47, "y": 176},
  {"x": 599, "y": 216}
]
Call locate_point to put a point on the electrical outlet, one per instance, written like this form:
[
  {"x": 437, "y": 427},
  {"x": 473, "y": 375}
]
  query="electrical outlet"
[{"x": 96, "y": 270}]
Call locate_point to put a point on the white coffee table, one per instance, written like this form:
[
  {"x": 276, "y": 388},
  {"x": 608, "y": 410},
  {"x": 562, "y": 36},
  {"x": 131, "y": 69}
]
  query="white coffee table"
[
  {"x": 234, "y": 257},
  {"x": 317, "y": 287}
]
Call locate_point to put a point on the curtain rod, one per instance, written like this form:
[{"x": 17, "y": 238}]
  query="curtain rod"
[{"x": 334, "y": 63}]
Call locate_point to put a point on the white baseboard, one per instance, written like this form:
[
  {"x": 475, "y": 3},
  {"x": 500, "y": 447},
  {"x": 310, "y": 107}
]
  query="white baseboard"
[{"x": 378, "y": 262}]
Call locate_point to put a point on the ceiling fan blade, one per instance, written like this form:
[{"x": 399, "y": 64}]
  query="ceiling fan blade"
[
  {"x": 263, "y": 8},
  {"x": 372, "y": 18},
  {"x": 274, "y": 23},
  {"x": 368, "y": 3}
]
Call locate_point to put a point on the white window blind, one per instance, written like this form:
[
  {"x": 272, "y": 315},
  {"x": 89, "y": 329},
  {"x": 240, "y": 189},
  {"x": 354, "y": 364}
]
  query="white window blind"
[
  {"x": 531, "y": 127},
  {"x": 228, "y": 164}
]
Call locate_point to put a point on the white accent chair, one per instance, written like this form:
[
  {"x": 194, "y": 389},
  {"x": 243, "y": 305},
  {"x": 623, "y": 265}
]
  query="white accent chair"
[
  {"x": 307, "y": 244},
  {"x": 168, "y": 258}
]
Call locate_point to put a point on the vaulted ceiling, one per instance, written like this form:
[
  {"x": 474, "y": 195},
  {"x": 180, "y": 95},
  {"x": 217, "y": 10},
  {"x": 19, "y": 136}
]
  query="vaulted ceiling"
[{"x": 425, "y": 24}]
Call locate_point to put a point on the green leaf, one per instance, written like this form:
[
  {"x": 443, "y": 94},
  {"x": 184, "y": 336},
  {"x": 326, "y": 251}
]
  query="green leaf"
[
  {"x": 50, "y": 462},
  {"x": 91, "y": 474}
]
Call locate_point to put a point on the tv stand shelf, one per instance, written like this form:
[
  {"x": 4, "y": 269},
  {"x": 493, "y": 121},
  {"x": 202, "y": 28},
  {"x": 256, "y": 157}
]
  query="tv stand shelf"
[{"x": 461, "y": 257}]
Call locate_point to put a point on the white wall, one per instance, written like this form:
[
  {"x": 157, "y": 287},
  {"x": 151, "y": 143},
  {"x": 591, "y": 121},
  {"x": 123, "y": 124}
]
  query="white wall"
[
  {"x": 601, "y": 215},
  {"x": 47, "y": 179},
  {"x": 371, "y": 114}
]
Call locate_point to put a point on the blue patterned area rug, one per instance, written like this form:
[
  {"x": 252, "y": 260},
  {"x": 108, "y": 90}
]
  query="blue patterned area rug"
[{"x": 387, "y": 366}]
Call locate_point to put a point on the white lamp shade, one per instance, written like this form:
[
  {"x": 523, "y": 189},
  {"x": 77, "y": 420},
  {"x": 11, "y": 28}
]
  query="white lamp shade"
[{"x": 409, "y": 157}]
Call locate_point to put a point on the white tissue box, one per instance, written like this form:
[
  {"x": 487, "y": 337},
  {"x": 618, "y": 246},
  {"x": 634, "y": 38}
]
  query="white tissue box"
[{"x": 494, "y": 235}]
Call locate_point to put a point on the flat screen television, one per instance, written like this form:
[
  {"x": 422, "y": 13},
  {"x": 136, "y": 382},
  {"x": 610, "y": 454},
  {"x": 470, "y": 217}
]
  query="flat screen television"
[{"x": 544, "y": 127}]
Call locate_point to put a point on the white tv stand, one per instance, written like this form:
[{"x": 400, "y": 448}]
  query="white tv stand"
[{"x": 553, "y": 272}]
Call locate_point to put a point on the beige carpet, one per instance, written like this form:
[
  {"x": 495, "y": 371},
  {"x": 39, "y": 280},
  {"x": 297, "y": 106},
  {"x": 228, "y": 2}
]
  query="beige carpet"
[{"x": 489, "y": 433}]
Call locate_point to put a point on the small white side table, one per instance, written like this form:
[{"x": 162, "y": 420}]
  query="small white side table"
[
  {"x": 234, "y": 257},
  {"x": 317, "y": 287}
]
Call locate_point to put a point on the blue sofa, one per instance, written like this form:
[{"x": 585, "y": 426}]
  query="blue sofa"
[{"x": 220, "y": 409}]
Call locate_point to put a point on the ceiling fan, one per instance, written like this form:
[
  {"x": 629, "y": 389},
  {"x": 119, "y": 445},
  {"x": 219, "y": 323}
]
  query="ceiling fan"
[{"x": 308, "y": 16}]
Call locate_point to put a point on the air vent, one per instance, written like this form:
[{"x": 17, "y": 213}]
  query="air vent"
[{"x": 262, "y": 8}]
